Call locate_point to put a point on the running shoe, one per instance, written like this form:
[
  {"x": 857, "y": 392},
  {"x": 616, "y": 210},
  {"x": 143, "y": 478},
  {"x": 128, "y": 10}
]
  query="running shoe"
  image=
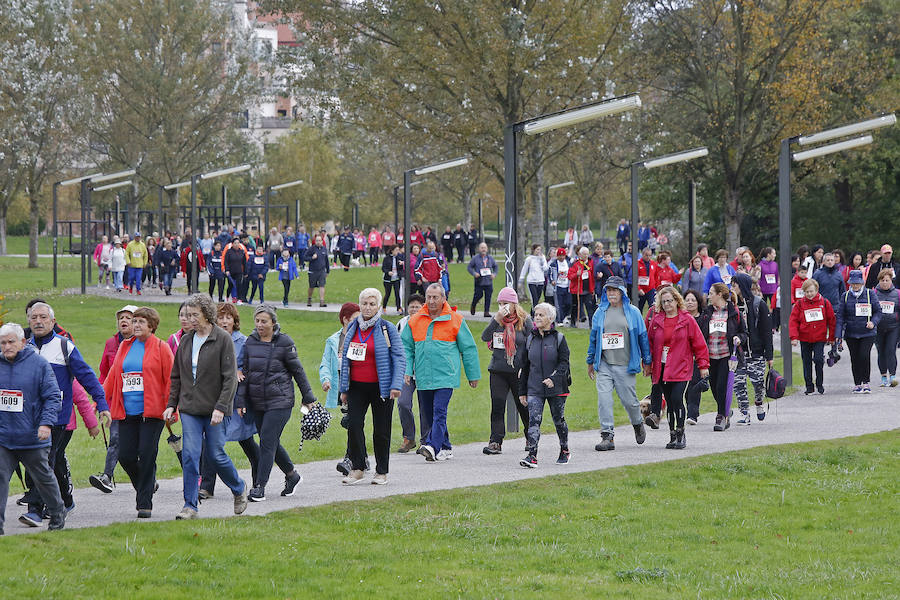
[
  {"x": 257, "y": 494},
  {"x": 101, "y": 482},
  {"x": 529, "y": 462},
  {"x": 745, "y": 418},
  {"x": 291, "y": 481},
  {"x": 444, "y": 454},
  {"x": 564, "y": 456}
]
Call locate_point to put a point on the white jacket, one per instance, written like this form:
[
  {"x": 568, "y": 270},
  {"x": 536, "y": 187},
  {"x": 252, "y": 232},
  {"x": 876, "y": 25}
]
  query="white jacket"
[
  {"x": 117, "y": 260},
  {"x": 533, "y": 270}
]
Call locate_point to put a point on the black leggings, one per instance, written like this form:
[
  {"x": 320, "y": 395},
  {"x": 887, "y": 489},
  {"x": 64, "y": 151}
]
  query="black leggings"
[
  {"x": 535, "y": 290},
  {"x": 287, "y": 289},
  {"x": 345, "y": 261},
  {"x": 860, "y": 358},
  {"x": 501, "y": 385},
  {"x": 270, "y": 424},
  {"x": 388, "y": 286},
  {"x": 373, "y": 256},
  {"x": 138, "y": 447},
  {"x": 718, "y": 382},
  {"x": 674, "y": 394}
]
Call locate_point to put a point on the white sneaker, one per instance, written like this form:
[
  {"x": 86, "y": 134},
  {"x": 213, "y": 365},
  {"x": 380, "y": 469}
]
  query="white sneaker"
[
  {"x": 426, "y": 451},
  {"x": 444, "y": 455},
  {"x": 691, "y": 421}
]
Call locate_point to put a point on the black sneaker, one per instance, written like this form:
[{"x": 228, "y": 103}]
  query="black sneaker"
[
  {"x": 808, "y": 391},
  {"x": 529, "y": 462},
  {"x": 563, "y": 457},
  {"x": 672, "y": 438},
  {"x": 101, "y": 482},
  {"x": 820, "y": 388},
  {"x": 290, "y": 483},
  {"x": 492, "y": 448},
  {"x": 257, "y": 494},
  {"x": 344, "y": 467}
]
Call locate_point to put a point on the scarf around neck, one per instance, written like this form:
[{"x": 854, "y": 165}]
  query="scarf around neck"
[
  {"x": 364, "y": 324},
  {"x": 509, "y": 337}
]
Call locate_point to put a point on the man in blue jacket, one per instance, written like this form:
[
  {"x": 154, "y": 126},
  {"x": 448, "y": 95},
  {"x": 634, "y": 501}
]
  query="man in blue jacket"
[
  {"x": 29, "y": 407},
  {"x": 623, "y": 234},
  {"x": 346, "y": 244},
  {"x": 67, "y": 363},
  {"x": 618, "y": 346},
  {"x": 831, "y": 280}
]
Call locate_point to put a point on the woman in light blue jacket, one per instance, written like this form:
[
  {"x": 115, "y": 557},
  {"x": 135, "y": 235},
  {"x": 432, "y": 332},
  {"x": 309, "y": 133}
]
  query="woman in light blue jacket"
[
  {"x": 330, "y": 368},
  {"x": 694, "y": 276}
]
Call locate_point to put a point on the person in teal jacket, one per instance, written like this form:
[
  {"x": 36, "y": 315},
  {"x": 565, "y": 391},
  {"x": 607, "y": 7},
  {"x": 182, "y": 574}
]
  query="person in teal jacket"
[
  {"x": 434, "y": 340},
  {"x": 617, "y": 347}
]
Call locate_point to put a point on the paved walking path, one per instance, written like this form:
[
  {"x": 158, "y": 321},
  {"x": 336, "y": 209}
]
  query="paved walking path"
[{"x": 797, "y": 418}]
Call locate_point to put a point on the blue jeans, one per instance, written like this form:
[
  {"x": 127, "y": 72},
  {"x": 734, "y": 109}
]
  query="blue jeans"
[
  {"x": 435, "y": 402},
  {"x": 167, "y": 278},
  {"x": 134, "y": 277},
  {"x": 117, "y": 279},
  {"x": 193, "y": 430}
]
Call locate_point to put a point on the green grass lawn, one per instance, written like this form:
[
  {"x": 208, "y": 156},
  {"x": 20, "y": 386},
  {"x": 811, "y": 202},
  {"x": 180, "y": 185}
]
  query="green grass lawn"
[
  {"x": 18, "y": 244},
  {"x": 795, "y": 521}
]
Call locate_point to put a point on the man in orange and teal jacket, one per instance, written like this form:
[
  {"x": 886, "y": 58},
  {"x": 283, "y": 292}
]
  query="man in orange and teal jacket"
[{"x": 434, "y": 340}]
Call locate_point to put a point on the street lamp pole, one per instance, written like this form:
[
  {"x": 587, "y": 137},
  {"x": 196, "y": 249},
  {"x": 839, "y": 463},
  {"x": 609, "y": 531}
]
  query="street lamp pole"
[
  {"x": 407, "y": 212},
  {"x": 784, "y": 208},
  {"x": 547, "y": 211},
  {"x": 537, "y": 125},
  {"x": 652, "y": 163}
]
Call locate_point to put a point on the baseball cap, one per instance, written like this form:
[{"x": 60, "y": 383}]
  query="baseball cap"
[
  {"x": 127, "y": 308},
  {"x": 887, "y": 248}
]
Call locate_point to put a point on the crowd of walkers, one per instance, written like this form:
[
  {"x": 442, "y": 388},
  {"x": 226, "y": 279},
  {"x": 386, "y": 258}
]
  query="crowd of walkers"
[{"x": 709, "y": 327}]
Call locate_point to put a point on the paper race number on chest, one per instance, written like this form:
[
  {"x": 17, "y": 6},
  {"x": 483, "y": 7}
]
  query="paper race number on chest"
[
  {"x": 813, "y": 314},
  {"x": 887, "y": 307},
  {"x": 497, "y": 343},
  {"x": 356, "y": 351},
  {"x": 132, "y": 382},
  {"x": 11, "y": 401},
  {"x": 485, "y": 272},
  {"x": 863, "y": 310},
  {"x": 613, "y": 341},
  {"x": 718, "y": 326}
]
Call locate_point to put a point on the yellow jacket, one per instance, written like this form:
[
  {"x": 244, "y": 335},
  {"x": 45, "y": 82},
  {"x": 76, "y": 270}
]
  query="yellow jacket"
[{"x": 136, "y": 254}]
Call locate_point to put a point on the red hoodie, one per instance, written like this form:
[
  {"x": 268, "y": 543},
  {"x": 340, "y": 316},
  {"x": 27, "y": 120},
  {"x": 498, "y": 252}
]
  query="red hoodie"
[
  {"x": 812, "y": 320},
  {"x": 686, "y": 345},
  {"x": 796, "y": 291},
  {"x": 651, "y": 279}
]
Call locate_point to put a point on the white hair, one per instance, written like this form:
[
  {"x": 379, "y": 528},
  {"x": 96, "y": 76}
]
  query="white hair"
[
  {"x": 14, "y": 329},
  {"x": 41, "y": 305},
  {"x": 437, "y": 286},
  {"x": 370, "y": 293},
  {"x": 547, "y": 308}
]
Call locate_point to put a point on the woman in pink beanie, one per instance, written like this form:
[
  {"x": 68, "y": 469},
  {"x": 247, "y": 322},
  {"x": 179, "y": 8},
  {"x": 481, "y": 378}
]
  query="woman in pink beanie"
[{"x": 505, "y": 336}]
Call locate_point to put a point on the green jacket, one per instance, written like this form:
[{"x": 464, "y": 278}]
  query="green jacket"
[{"x": 434, "y": 348}]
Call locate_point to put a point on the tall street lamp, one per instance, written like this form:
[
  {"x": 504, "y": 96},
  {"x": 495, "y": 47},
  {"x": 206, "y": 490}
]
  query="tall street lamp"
[
  {"x": 407, "y": 210},
  {"x": 534, "y": 126},
  {"x": 668, "y": 159},
  {"x": 56, "y": 187},
  {"x": 275, "y": 188},
  {"x": 397, "y": 189},
  {"x": 555, "y": 186},
  {"x": 784, "y": 206},
  {"x": 113, "y": 186}
]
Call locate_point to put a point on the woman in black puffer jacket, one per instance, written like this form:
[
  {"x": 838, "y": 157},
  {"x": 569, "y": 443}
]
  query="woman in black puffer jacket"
[{"x": 270, "y": 367}]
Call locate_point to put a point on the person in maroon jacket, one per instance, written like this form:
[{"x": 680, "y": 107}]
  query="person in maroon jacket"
[
  {"x": 676, "y": 342},
  {"x": 103, "y": 481},
  {"x": 581, "y": 286}
]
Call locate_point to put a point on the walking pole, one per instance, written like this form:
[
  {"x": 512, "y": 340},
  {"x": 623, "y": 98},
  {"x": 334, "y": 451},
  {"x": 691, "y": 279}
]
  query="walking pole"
[
  {"x": 106, "y": 445},
  {"x": 19, "y": 473}
]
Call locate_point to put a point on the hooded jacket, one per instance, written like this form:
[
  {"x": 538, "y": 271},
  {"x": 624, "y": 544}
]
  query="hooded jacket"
[
  {"x": 581, "y": 277},
  {"x": 736, "y": 326},
  {"x": 213, "y": 388},
  {"x": 692, "y": 279},
  {"x": 270, "y": 370},
  {"x": 639, "y": 342},
  {"x": 812, "y": 320},
  {"x": 33, "y": 376},
  {"x": 257, "y": 265},
  {"x": 546, "y": 357},
  {"x": 851, "y": 325},
  {"x": 759, "y": 320}
]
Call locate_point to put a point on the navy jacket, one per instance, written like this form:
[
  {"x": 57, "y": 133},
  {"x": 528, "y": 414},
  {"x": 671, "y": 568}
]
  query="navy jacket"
[
  {"x": 257, "y": 264},
  {"x": 30, "y": 374},
  {"x": 346, "y": 243},
  {"x": 320, "y": 262},
  {"x": 851, "y": 326},
  {"x": 214, "y": 264},
  {"x": 831, "y": 283},
  {"x": 51, "y": 348}
]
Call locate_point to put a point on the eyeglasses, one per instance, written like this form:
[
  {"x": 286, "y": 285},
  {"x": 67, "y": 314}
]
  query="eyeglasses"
[{"x": 667, "y": 301}]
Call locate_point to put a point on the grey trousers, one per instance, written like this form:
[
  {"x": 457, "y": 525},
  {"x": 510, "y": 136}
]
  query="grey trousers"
[{"x": 37, "y": 463}]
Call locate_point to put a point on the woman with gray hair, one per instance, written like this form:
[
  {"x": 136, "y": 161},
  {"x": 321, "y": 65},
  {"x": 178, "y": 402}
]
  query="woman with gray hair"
[
  {"x": 372, "y": 365},
  {"x": 203, "y": 381},
  {"x": 270, "y": 366}
]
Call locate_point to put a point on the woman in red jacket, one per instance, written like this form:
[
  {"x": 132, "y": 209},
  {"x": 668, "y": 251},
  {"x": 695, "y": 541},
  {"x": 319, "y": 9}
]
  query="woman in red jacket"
[
  {"x": 581, "y": 286},
  {"x": 812, "y": 325},
  {"x": 137, "y": 388},
  {"x": 675, "y": 343}
]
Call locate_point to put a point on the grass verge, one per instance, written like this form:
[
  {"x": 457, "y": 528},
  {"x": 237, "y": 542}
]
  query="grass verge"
[{"x": 795, "y": 521}]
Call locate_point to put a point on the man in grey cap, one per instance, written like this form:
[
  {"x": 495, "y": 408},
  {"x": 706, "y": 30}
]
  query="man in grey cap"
[{"x": 618, "y": 346}]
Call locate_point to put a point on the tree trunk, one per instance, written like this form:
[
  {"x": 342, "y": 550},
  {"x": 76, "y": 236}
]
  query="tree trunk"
[
  {"x": 34, "y": 224},
  {"x": 843, "y": 196},
  {"x": 3, "y": 231},
  {"x": 467, "y": 209},
  {"x": 734, "y": 215}
]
